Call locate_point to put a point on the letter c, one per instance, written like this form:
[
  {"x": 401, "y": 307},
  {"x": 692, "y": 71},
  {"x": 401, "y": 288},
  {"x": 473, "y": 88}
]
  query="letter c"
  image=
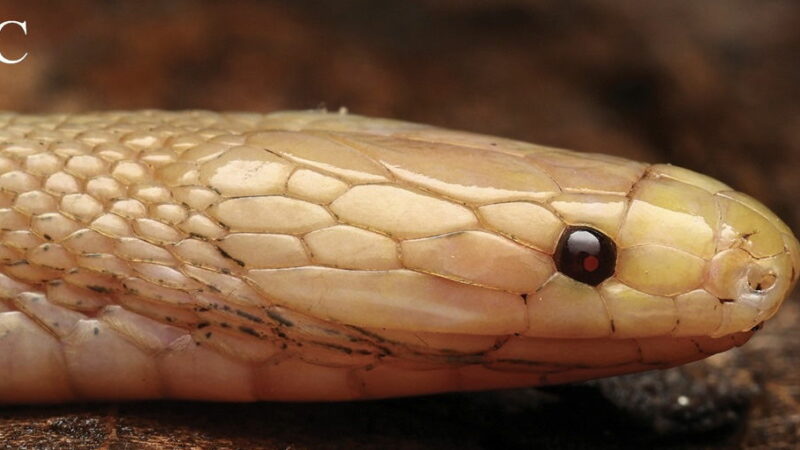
[{"x": 24, "y": 26}]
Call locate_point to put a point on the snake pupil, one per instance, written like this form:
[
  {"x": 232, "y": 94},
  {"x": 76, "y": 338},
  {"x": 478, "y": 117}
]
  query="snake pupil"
[
  {"x": 586, "y": 255},
  {"x": 591, "y": 263}
]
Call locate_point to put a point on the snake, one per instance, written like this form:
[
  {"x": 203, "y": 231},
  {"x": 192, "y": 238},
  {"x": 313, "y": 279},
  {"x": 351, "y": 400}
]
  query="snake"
[{"x": 327, "y": 256}]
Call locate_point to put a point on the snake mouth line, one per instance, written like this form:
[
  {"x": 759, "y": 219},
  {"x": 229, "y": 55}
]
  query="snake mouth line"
[{"x": 547, "y": 356}]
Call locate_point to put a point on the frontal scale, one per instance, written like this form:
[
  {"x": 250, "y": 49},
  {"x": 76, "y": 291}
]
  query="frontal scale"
[{"x": 325, "y": 256}]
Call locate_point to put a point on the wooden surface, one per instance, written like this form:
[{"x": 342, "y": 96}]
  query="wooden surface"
[{"x": 714, "y": 86}]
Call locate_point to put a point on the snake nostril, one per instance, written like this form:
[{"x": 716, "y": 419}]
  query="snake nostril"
[{"x": 760, "y": 281}]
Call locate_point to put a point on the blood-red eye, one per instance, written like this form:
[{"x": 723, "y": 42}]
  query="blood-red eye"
[{"x": 586, "y": 255}]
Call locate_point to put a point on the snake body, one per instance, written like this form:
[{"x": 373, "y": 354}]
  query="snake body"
[{"x": 328, "y": 256}]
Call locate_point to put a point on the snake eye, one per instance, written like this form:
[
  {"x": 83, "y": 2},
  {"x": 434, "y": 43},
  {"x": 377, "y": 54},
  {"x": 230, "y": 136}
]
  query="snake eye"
[{"x": 586, "y": 255}]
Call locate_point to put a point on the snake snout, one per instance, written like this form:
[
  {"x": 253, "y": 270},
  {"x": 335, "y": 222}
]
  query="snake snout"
[{"x": 755, "y": 267}]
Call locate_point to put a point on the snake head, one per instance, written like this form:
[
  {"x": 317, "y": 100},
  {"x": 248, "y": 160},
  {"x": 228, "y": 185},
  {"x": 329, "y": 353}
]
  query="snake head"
[{"x": 554, "y": 264}]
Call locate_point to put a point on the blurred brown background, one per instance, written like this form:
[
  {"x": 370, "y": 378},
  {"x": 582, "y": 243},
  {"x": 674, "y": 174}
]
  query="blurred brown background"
[{"x": 710, "y": 85}]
